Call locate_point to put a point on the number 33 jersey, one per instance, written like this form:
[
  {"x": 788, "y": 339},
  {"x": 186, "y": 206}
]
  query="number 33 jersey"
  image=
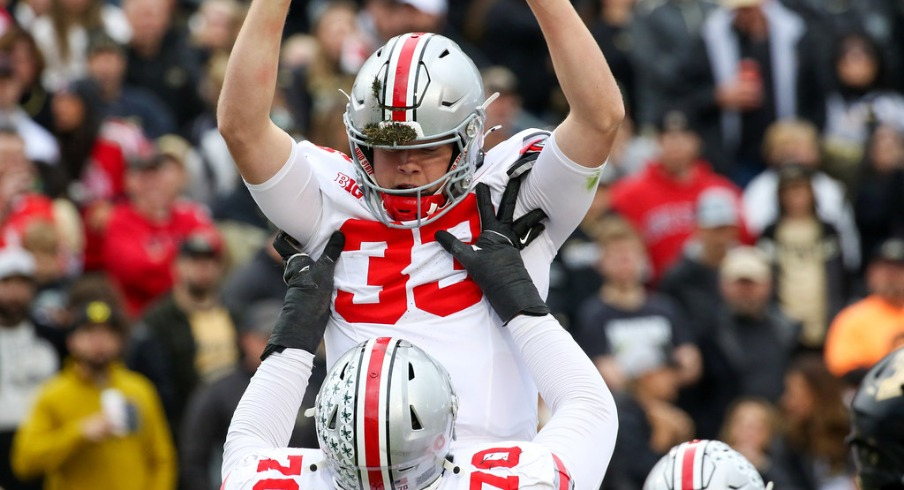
[
  {"x": 502, "y": 465},
  {"x": 400, "y": 282}
]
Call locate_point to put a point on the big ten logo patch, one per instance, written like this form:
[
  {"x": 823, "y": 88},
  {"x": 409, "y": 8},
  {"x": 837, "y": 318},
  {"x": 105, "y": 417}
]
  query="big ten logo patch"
[
  {"x": 391, "y": 270},
  {"x": 349, "y": 185}
]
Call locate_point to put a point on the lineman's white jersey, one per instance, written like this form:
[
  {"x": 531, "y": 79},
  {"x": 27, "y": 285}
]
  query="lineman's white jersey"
[
  {"x": 502, "y": 465},
  {"x": 401, "y": 283}
]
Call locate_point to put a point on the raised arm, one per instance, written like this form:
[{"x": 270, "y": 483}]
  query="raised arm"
[
  {"x": 258, "y": 146},
  {"x": 596, "y": 106}
]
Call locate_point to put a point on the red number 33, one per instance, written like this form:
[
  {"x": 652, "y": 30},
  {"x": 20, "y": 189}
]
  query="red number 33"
[{"x": 386, "y": 270}]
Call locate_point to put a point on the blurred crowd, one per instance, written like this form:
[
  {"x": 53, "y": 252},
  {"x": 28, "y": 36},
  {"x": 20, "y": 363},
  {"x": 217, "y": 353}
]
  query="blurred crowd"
[{"x": 740, "y": 269}]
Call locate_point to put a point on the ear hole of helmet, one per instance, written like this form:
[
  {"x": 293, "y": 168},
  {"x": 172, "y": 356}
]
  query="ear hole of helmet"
[
  {"x": 415, "y": 420},
  {"x": 410, "y": 371},
  {"x": 332, "y": 423}
]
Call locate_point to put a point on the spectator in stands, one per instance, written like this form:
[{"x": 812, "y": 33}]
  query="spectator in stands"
[
  {"x": 96, "y": 424},
  {"x": 752, "y": 343},
  {"x": 27, "y": 359},
  {"x": 661, "y": 34},
  {"x": 880, "y": 194},
  {"x": 867, "y": 330},
  {"x": 107, "y": 66},
  {"x": 215, "y": 26},
  {"x": 624, "y": 317},
  {"x": 661, "y": 200},
  {"x": 737, "y": 82},
  {"x": 862, "y": 99},
  {"x": 20, "y": 205},
  {"x": 693, "y": 281},
  {"x": 63, "y": 35},
  {"x": 506, "y": 113},
  {"x": 142, "y": 235},
  {"x": 649, "y": 423},
  {"x": 28, "y": 62},
  {"x": 40, "y": 147},
  {"x": 507, "y": 34},
  {"x": 257, "y": 279},
  {"x": 159, "y": 58},
  {"x": 751, "y": 428},
  {"x": 809, "y": 277},
  {"x": 813, "y": 454},
  {"x": 187, "y": 338},
  {"x": 212, "y": 405},
  {"x": 796, "y": 141}
]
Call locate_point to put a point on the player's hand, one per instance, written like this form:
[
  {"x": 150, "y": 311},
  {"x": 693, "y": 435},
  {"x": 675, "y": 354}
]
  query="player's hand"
[
  {"x": 306, "y": 310},
  {"x": 494, "y": 262},
  {"x": 519, "y": 233}
]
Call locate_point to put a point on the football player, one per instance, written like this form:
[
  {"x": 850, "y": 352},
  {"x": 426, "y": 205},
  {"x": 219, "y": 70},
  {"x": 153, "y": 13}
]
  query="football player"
[
  {"x": 386, "y": 413},
  {"x": 415, "y": 121},
  {"x": 877, "y": 420}
]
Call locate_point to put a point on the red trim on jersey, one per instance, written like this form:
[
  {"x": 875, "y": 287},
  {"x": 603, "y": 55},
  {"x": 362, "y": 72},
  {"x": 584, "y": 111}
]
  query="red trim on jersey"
[
  {"x": 564, "y": 477},
  {"x": 403, "y": 73},
  {"x": 687, "y": 467},
  {"x": 372, "y": 411}
]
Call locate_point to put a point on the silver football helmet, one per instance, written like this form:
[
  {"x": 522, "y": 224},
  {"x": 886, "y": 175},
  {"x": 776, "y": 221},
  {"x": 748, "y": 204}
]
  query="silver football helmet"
[
  {"x": 385, "y": 416},
  {"x": 418, "y": 90},
  {"x": 704, "y": 464}
]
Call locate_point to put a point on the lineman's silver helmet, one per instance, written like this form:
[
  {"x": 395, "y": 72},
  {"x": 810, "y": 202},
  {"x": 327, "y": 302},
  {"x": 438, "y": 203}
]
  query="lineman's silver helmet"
[
  {"x": 703, "y": 464},
  {"x": 385, "y": 416},
  {"x": 418, "y": 90}
]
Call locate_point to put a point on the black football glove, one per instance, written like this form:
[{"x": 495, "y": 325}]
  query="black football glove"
[
  {"x": 306, "y": 309},
  {"x": 494, "y": 262}
]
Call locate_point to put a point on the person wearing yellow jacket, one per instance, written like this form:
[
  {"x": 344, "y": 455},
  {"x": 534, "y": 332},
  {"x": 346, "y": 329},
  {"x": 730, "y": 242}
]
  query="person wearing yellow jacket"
[{"x": 96, "y": 424}]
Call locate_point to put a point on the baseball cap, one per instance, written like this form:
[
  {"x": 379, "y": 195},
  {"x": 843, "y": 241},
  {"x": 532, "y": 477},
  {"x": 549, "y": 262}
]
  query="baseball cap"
[
  {"x": 746, "y": 262},
  {"x": 16, "y": 262},
  {"x": 202, "y": 243},
  {"x": 717, "y": 207},
  {"x": 890, "y": 250},
  {"x": 99, "y": 312},
  {"x": 641, "y": 359},
  {"x": 433, "y": 7}
]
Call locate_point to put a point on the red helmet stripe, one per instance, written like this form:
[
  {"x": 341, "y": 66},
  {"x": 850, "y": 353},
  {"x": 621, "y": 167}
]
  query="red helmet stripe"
[
  {"x": 687, "y": 466},
  {"x": 372, "y": 412},
  {"x": 403, "y": 74}
]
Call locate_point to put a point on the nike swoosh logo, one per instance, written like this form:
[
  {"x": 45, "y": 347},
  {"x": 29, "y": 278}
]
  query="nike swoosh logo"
[{"x": 525, "y": 238}]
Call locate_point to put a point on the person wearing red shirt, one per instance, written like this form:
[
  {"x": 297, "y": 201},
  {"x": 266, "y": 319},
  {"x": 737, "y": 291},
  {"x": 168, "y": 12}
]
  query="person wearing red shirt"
[
  {"x": 143, "y": 234},
  {"x": 19, "y": 204},
  {"x": 661, "y": 200}
]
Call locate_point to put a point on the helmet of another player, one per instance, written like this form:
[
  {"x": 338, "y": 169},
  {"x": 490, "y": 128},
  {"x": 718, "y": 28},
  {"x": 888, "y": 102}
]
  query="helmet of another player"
[
  {"x": 703, "y": 464},
  {"x": 877, "y": 425},
  {"x": 385, "y": 416},
  {"x": 419, "y": 90}
]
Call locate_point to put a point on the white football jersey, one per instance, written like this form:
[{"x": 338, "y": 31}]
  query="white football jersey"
[
  {"x": 401, "y": 283},
  {"x": 503, "y": 465}
]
